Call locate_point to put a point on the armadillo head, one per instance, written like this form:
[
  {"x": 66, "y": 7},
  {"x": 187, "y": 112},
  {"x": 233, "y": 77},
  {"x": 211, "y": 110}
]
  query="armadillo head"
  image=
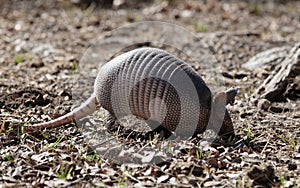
[{"x": 220, "y": 120}]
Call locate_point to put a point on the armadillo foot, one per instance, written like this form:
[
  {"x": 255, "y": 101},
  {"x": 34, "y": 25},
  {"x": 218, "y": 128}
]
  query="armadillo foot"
[
  {"x": 230, "y": 136},
  {"x": 110, "y": 122},
  {"x": 161, "y": 131}
]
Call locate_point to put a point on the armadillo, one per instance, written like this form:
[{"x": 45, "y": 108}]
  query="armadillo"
[{"x": 157, "y": 86}]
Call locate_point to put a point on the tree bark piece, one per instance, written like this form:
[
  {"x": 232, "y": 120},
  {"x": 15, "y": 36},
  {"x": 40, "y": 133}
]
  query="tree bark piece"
[{"x": 283, "y": 82}]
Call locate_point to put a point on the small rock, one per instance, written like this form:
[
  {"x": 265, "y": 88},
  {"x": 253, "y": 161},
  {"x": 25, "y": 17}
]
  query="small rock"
[
  {"x": 264, "y": 176},
  {"x": 36, "y": 64},
  {"x": 277, "y": 109},
  {"x": 23, "y": 46},
  {"x": 186, "y": 14},
  {"x": 264, "y": 104},
  {"x": 214, "y": 162},
  {"x": 292, "y": 166},
  {"x": 118, "y": 3}
]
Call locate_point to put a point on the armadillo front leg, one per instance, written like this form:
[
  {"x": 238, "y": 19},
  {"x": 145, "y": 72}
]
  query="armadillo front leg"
[{"x": 157, "y": 129}]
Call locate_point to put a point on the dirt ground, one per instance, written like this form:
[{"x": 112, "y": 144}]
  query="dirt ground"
[{"x": 42, "y": 44}]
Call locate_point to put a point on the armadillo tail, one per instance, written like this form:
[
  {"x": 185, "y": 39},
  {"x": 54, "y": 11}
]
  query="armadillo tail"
[{"x": 86, "y": 108}]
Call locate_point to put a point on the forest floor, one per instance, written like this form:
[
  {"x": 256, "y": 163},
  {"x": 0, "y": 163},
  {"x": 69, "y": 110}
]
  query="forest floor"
[{"x": 44, "y": 48}]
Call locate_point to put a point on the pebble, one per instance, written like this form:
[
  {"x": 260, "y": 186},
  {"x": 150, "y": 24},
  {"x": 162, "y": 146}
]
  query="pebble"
[{"x": 264, "y": 104}]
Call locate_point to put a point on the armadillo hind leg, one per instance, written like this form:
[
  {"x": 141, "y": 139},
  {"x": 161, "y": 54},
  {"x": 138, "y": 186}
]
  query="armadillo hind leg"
[
  {"x": 87, "y": 108},
  {"x": 110, "y": 122},
  {"x": 113, "y": 126}
]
